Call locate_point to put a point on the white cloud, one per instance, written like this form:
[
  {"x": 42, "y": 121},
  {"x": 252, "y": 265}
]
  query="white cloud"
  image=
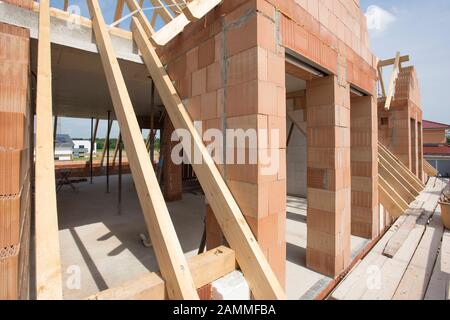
[{"x": 378, "y": 19}]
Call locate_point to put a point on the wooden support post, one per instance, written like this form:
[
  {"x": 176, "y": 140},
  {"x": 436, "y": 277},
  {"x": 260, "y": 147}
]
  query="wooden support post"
[
  {"x": 48, "y": 261},
  {"x": 66, "y": 5},
  {"x": 262, "y": 280},
  {"x": 171, "y": 260}
]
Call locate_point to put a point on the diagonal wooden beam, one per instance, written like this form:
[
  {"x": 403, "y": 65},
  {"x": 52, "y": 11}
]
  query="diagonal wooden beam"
[
  {"x": 171, "y": 260},
  {"x": 389, "y": 62},
  {"x": 133, "y": 5},
  {"x": 197, "y": 9},
  {"x": 48, "y": 261},
  {"x": 119, "y": 10},
  {"x": 380, "y": 76},
  {"x": 394, "y": 78},
  {"x": 162, "y": 10},
  {"x": 263, "y": 282}
]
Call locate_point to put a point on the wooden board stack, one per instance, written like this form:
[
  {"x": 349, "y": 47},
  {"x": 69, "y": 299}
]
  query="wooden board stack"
[{"x": 15, "y": 158}]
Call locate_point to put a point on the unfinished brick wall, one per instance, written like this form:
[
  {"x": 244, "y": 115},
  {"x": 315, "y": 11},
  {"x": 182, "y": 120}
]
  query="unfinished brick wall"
[
  {"x": 331, "y": 34},
  {"x": 364, "y": 167},
  {"x": 329, "y": 176},
  {"x": 15, "y": 128},
  {"x": 230, "y": 72},
  {"x": 398, "y": 128}
]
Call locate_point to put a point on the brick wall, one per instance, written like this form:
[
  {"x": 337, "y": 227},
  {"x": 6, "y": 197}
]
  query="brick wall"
[
  {"x": 15, "y": 127},
  {"x": 230, "y": 72}
]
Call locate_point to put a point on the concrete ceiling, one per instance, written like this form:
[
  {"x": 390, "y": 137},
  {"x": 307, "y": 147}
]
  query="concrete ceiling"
[{"x": 80, "y": 88}]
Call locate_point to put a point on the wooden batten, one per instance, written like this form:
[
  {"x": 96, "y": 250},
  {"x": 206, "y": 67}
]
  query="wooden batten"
[
  {"x": 249, "y": 255},
  {"x": 169, "y": 254}
]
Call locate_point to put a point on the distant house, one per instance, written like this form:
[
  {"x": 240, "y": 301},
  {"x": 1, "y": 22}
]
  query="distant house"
[
  {"x": 82, "y": 148},
  {"x": 63, "y": 147},
  {"x": 436, "y": 150}
]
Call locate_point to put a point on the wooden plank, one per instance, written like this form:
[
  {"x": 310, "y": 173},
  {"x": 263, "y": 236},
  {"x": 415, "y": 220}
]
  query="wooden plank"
[
  {"x": 251, "y": 259},
  {"x": 402, "y": 233},
  {"x": 206, "y": 268},
  {"x": 197, "y": 9},
  {"x": 133, "y": 5},
  {"x": 429, "y": 169},
  {"x": 392, "y": 270},
  {"x": 171, "y": 260},
  {"x": 161, "y": 10},
  {"x": 48, "y": 261},
  {"x": 148, "y": 287},
  {"x": 390, "y": 199},
  {"x": 394, "y": 78},
  {"x": 380, "y": 77},
  {"x": 355, "y": 283},
  {"x": 169, "y": 31},
  {"x": 438, "y": 287},
  {"x": 212, "y": 265},
  {"x": 417, "y": 276},
  {"x": 389, "y": 62},
  {"x": 400, "y": 166},
  {"x": 394, "y": 171},
  {"x": 390, "y": 178},
  {"x": 119, "y": 10},
  {"x": 446, "y": 252}
]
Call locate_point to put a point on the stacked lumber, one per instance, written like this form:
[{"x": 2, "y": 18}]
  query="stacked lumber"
[
  {"x": 401, "y": 264},
  {"x": 15, "y": 201},
  {"x": 429, "y": 169},
  {"x": 398, "y": 186}
]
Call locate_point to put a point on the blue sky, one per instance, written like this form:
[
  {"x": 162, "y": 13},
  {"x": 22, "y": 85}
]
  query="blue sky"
[
  {"x": 415, "y": 27},
  {"x": 421, "y": 29}
]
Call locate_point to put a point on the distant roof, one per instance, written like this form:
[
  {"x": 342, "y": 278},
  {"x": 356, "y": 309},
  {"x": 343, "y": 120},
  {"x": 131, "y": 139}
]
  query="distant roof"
[
  {"x": 434, "y": 125},
  {"x": 437, "y": 150},
  {"x": 63, "y": 141}
]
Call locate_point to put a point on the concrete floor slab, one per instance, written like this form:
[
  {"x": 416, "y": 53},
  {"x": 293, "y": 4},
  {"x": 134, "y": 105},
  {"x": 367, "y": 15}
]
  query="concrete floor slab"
[{"x": 100, "y": 240}]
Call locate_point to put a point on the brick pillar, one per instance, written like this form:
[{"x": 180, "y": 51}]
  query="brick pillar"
[
  {"x": 234, "y": 78},
  {"x": 329, "y": 178},
  {"x": 364, "y": 167},
  {"x": 172, "y": 173}
]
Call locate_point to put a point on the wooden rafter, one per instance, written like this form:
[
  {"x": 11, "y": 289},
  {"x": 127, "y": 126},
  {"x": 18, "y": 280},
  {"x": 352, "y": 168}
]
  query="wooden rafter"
[
  {"x": 169, "y": 254},
  {"x": 162, "y": 10},
  {"x": 392, "y": 82},
  {"x": 48, "y": 261},
  {"x": 249, "y": 255},
  {"x": 119, "y": 10},
  {"x": 197, "y": 9}
]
